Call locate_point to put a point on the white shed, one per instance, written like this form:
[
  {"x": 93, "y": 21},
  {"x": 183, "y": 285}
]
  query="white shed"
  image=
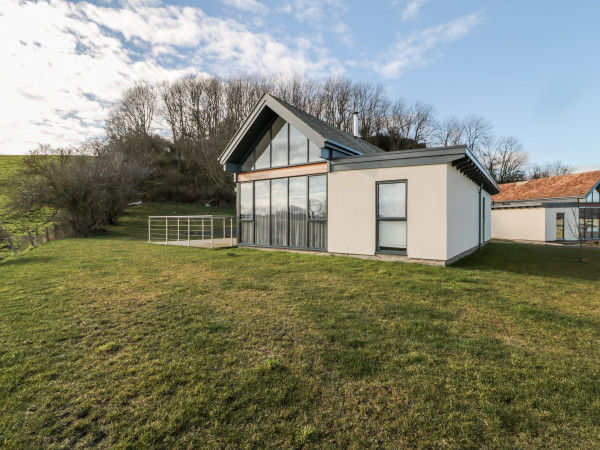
[{"x": 551, "y": 209}]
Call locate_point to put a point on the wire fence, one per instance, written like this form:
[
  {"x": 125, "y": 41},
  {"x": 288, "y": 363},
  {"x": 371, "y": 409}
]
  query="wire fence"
[{"x": 14, "y": 244}]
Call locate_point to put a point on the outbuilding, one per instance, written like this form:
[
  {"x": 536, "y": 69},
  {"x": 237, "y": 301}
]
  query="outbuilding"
[
  {"x": 552, "y": 209},
  {"x": 305, "y": 185}
]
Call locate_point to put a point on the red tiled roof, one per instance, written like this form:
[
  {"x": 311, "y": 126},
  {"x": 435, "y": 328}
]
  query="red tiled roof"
[{"x": 576, "y": 184}]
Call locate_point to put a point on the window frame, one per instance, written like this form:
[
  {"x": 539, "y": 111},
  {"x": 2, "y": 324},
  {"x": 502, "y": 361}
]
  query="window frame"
[
  {"x": 391, "y": 219},
  {"x": 239, "y": 212},
  {"x": 307, "y": 220},
  {"x": 269, "y": 129},
  {"x": 560, "y": 215}
]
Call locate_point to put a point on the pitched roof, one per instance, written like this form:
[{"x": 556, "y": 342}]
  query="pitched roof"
[
  {"x": 332, "y": 133},
  {"x": 573, "y": 185},
  {"x": 324, "y": 135}
]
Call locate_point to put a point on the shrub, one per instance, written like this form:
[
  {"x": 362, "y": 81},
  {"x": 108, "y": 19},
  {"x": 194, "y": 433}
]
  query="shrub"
[{"x": 89, "y": 187}]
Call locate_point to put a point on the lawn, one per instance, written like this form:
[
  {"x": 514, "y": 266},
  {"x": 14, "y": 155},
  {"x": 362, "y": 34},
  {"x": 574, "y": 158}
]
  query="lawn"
[{"x": 110, "y": 341}]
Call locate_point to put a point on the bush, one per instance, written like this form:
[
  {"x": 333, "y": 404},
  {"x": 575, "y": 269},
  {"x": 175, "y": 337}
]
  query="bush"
[{"x": 88, "y": 187}]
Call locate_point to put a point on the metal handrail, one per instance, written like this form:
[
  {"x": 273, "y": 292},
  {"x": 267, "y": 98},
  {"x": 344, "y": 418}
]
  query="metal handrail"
[{"x": 162, "y": 231}]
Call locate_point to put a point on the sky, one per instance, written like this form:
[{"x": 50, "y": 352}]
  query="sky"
[{"x": 530, "y": 67}]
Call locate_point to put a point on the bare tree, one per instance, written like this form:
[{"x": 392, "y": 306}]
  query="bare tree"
[
  {"x": 577, "y": 228},
  {"x": 133, "y": 113},
  {"x": 423, "y": 122},
  {"x": 173, "y": 109},
  {"x": 505, "y": 159},
  {"x": 399, "y": 121},
  {"x": 477, "y": 132},
  {"x": 337, "y": 102},
  {"x": 549, "y": 169},
  {"x": 449, "y": 132}
]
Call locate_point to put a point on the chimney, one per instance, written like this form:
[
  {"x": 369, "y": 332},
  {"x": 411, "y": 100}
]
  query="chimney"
[{"x": 355, "y": 116}]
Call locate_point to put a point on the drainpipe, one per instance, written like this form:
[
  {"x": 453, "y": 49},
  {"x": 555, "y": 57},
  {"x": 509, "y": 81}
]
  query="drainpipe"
[{"x": 479, "y": 191}]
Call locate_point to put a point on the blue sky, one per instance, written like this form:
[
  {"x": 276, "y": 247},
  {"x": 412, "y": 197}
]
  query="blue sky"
[{"x": 530, "y": 67}]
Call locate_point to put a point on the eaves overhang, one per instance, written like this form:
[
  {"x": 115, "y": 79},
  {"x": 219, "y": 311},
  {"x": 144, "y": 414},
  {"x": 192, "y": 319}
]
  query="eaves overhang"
[{"x": 459, "y": 156}]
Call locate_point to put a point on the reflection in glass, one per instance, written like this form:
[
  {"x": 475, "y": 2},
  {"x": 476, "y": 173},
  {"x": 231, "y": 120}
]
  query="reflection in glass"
[
  {"x": 314, "y": 152},
  {"x": 392, "y": 200},
  {"x": 249, "y": 163},
  {"x": 298, "y": 201},
  {"x": 317, "y": 235},
  {"x": 279, "y": 144},
  {"x": 392, "y": 235},
  {"x": 279, "y": 198},
  {"x": 263, "y": 154},
  {"x": 298, "y": 146},
  {"x": 262, "y": 211},
  {"x": 246, "y": 207},
  {"x": 317, "y": 198}
]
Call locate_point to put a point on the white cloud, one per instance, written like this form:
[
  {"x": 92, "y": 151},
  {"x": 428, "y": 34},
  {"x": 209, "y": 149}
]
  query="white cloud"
[
  {"x": 321, "y": 14},
  {"x": 411, "y": 11},
  {"x": 68, "y": 61},
  {"x": 412, "y": 51},
  {"x": 247, "y": 5}
]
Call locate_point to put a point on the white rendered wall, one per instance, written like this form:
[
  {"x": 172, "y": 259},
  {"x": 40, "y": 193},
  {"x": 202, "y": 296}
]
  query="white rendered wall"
[
  {"x": 571, "y": 223},
  {"x": 463, "y": 213},
  {"x": 528, "y": 224},
  {"x": 351, "y": 219}
]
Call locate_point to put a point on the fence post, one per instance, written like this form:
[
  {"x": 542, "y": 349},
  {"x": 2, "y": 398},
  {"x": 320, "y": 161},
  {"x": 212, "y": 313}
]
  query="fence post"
[
  {"x": 47, "y": 234},
  {"x": 12, "y": 246},
  {"x": 177, "y": 229},
  {"x": 31, "y": 241},
  {"x": 188, "y": 231},
  {"x": 167, "y": 230},
  {"x": 149, "y": 230},
  {"x": 212, "y": 227},
  {"x": 231, "y": 230},
  {"x": 203, "y": 229}
]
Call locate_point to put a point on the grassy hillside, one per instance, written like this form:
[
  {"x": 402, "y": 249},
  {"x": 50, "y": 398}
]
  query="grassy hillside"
[
  {"x": 111, "y": 341},
  {"x": 16, "y": 223}
]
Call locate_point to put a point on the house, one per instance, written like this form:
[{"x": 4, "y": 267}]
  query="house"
[
  {"x": 548, "y": 209},
  {"x": 303, "y": 184}
]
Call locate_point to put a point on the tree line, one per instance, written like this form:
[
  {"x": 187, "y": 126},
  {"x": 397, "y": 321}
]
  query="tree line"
[
  {"x": 199, "y": 115},
  {"x": 162, "y": 142}
]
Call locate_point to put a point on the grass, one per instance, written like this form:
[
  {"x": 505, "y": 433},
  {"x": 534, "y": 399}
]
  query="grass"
[
  {"x": 16, "y": 223},
  {"x": 109, "y": 341}
]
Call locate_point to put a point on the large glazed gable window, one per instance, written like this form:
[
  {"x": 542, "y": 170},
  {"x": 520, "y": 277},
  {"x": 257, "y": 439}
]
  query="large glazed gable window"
[
  {"x": 391, "y": 216},
  {"x": 279, "y": 143},
  {"x": 280, "y": 146},
  {"x": 284, "y": 212}
]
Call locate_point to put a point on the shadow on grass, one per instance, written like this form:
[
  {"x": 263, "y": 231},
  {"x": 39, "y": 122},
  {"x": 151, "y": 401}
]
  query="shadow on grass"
[
  {"x": 537, "y": 260},
  {"x": 21, "y": 260}
]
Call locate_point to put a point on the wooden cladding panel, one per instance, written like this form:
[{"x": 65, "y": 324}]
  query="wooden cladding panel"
[{"x": 294, "y": 171}]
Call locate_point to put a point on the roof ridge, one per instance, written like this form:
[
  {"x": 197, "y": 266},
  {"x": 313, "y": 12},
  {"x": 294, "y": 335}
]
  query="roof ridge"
[{"x": 339, "y": 130}]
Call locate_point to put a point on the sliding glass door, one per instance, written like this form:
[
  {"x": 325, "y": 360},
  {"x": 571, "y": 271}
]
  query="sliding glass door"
[
  {"x": 298, "y": 211},
  {"x": 284, "y": 212},
  {"x": 279, "y": 212}
]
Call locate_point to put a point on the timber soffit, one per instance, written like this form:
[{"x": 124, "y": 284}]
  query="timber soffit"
[{"x": 319, "y": 132}]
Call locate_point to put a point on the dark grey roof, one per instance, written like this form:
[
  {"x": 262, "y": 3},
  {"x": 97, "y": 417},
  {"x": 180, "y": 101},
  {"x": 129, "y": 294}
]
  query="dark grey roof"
[
  {"x": 459, "y": 156},
  {"x": 330, "y": 139},
  {"x": 331, "y": 133}
]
